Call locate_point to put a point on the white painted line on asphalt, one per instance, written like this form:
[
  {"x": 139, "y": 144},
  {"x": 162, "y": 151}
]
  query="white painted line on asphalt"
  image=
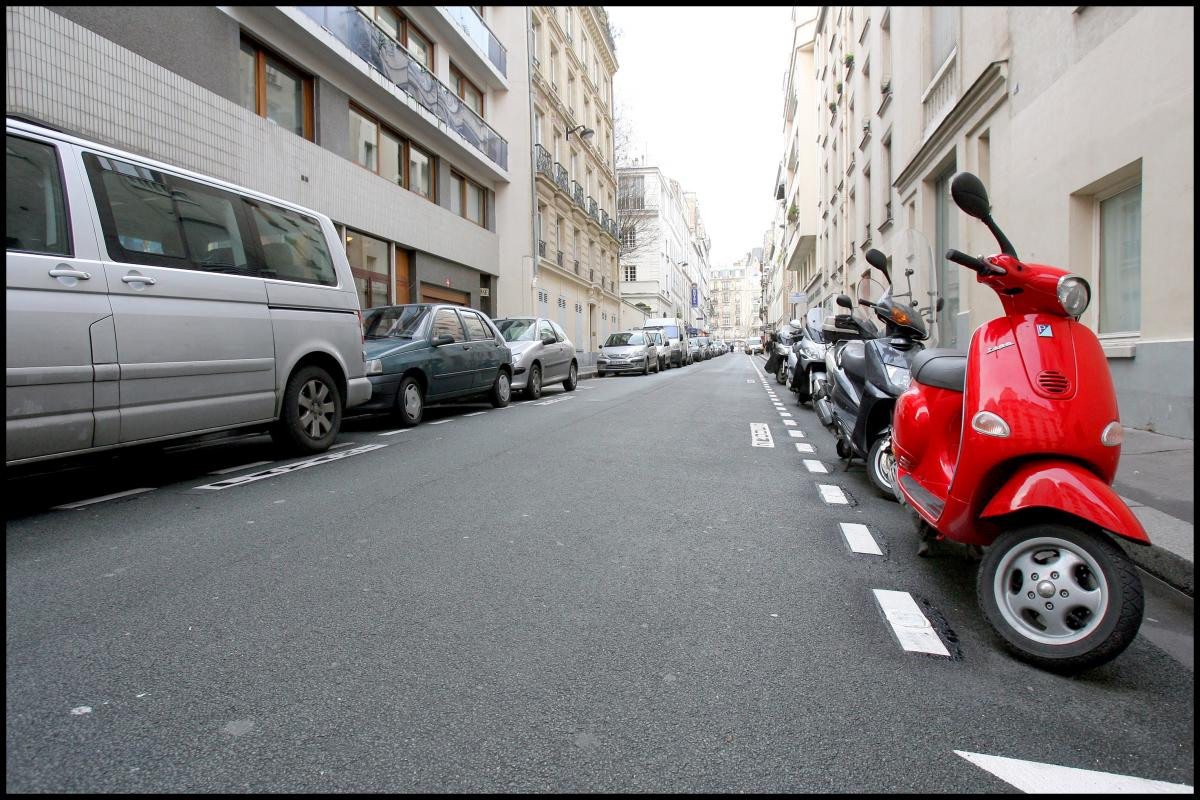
[
  {"x": 805, "y": 448},
  {"x": 784, "y": 414},
  {"x": 340, "y": 444},
  {"x": 393, "y": 433},
  {"x": 749, "y": 380},
  {"x": 474, "y": 414},
  {"x": 286, "y": 468},
  {"x": 860, "y": 539},
  {"x": 912, "y": 629},
  {"x": 760, "y": 435},
  {"x": 227, "y": 470},
  {"x": 441, "y": 422},
  {"x": 82, "y": 503},
  {"x": 789, "y": 422},
  {"x": 833, "y": 495},
  {"x": 812, "y": 465},
  {"x": 1032, "y": 777},
  {"x": 554, "y": 400},
  {"x": 796, "y": 434}
]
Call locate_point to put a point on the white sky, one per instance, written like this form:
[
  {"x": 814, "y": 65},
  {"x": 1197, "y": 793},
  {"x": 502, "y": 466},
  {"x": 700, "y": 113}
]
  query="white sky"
[{"x": 702, "y": 89}]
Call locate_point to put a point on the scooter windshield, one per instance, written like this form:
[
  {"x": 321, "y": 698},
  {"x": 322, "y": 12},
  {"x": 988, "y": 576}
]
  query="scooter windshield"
[
  {"x": 873, "y": 290},
  {"x": 914, "y": 279}
]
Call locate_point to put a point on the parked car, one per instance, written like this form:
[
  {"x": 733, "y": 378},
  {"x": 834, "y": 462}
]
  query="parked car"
[
  {"x": 662, "y": 344},
  {"x": 542, "y": 354},
  {"x": 147, "y": 303},
  {"x": 432, "y": 351},
  {"x": 627, "y": 351},
  {"x": 696, "y": 349},
  {"x": 753, "y": 346},
  {"x": 675, "y": 330}
]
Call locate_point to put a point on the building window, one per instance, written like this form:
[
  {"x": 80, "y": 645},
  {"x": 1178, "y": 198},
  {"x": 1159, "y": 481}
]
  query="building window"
[
  {"x": 469, "y": 92},
  {"x": 631, "y": 192},
  {"x": 468, "y": 199},
  {"x": 418, "y": 45},
  {"x": 1120, "y": 281},
  {"x": 629, "y": 238},
  {"x": 274, "y": 89},
  {"x": 630, "y": 272},
  {"x": 385, "y": 153},
  {"x": 370, "y": 266},
  {"x": 943, "y": 34}
]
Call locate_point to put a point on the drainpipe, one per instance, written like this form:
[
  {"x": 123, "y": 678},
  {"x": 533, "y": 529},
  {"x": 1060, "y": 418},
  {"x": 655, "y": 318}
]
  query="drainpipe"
[{"x": 527, "y": 305}]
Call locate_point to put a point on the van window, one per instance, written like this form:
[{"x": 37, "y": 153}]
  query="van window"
[
  {"x": 149, "y": 217},
  {"x": 293, "y": 245},
  {"x": 35, "y": 213}
]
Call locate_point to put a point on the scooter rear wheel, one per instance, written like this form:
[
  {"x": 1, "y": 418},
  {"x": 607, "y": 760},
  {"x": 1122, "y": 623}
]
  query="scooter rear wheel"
[
  {"x": 881, "y": 467},
  {"x": 1062, "y": 598}
]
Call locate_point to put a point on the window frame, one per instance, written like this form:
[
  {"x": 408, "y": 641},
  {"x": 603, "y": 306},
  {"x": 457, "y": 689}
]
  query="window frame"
[
  {"x": 1128, "y": 335},
  {"x": 307, "y": 83},
  {"x": 452, "y": 311},
  {"x": 386, "y": 278},
  {"x": 406, "y": 144},
  {"x": 68, "y": 225},
  {"x": 459, "y": 79},
  {"x": 462, "y": 198},
  {"x": 467, "y": 314}
]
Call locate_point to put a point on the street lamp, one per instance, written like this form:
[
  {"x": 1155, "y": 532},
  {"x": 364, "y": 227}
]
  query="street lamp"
[{"x": 584, "y": 132}]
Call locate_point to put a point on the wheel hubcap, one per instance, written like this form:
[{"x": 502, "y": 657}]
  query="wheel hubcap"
[
  {"x": 412, "y": 401},
  {"x": 503, "y": 379},
  {"x": 885, "y": 465},
  {"x": 537, "y": 381},
  {"x": 316, "y": 409},
  {"x": 1050, "y": 590}
]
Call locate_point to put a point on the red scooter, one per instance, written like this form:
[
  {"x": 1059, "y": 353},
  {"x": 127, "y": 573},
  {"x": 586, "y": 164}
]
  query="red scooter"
[{"x": 1014, "y": 445}]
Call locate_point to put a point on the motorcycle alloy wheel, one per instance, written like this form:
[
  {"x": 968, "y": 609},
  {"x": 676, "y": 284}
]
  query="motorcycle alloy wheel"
[
  {"x": 881, "y": 466},
  {"x": 1061, "y": 597}
]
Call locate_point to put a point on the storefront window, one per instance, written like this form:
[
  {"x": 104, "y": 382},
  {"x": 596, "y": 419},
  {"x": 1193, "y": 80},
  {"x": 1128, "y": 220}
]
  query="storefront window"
[{"x": 371, "y": 267}]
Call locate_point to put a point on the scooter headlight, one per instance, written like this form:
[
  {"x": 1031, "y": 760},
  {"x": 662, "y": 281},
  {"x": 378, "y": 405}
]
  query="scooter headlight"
[
  {"x": 990, "y": 424},
  {"x": 898, "y": 376},
  {"x": 1074, "y": 294}
]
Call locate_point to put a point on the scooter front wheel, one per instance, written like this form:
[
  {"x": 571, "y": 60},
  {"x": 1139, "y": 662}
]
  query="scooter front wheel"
[
  {"x": 1062, "y": 598},
  {"x": 881, "y": 466}
]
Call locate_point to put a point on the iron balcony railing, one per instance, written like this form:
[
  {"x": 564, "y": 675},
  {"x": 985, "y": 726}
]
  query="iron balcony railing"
[
  {"x": 541, "y": 248},
  {"x": 560, "y": 176},
  {"x": 577, "y": 193},
  {"x": 593, "y": 209},
  {"x": 370, "y": 43},
  {"x": 542, "y": 159},
  {"x": 592, "y": 275},
  {"x": 480, "y": 35},
  {"x": 559, "y": 258},
  {"x": 577, "y": 266},
  {"x": 604, "y": 219}
]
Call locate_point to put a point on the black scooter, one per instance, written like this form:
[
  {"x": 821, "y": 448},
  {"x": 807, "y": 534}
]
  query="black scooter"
[{"x": 865, "y": 378}]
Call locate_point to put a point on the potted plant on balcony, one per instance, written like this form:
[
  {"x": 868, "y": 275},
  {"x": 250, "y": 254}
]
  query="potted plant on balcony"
[
  {"x": 849, "y": 61},
  {"x": 793, "y": 213},
  {"x": 839, "y": 87}
]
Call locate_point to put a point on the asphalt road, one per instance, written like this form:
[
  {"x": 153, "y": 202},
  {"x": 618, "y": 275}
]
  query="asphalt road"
[{"x": 604, "y": 590}]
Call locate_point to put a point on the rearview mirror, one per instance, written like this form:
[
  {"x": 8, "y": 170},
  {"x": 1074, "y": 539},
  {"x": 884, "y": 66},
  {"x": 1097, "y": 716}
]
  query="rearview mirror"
[
  {"x": 548, "y": 340},
  {"x": 445, "y": 338},
  {"x": 941, "y": 303},
  {"x": 970, "y": 195},
  {"x": 877, "y": 260},
  {"x": 844, "y": 301}
]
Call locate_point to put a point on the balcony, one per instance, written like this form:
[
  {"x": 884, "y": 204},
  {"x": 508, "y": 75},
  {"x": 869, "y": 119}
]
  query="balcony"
[
  {"x": 541, "y": 248},
  {"x": 560, "y": 176},
  {"x": 577, "y": 194},
  {"x": 370, "y": 43},
  {"x": 480, "y": 35},
  {"x": 542, "y": 160},
  {"x": 593, "y": 209},
  {"x": 559, "y": 259},
  {"x": 604, "y": 219},
  {"x": 576, "y": 263},
  {"x": 941, "y": 93}
]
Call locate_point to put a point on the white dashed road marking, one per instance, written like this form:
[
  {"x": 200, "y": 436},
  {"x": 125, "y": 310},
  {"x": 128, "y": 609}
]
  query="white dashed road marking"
[
  {"x": 1031, "y": 777},
  {"x": 802, "y": 447},
  {"x": 393, "y": 433},
  {"x": 286, "y": 468},
  {"x": 227, "y": 470},
  {"x": 760, "y": 435},
  {"x": 912, "y": 629},
  {"x": 474, "y": 414},
  {"x": 82, "y": 503},
  {"x": 796, "y": 434},
  {"x": 784, "y": 414},
  {"x": 789, "y": 422},
  {"x": 812, "y": 465},
  {"x": 833, "y": 495},
  {"x": 441, "y": 422},
  {"x": 860, "y": 539}
]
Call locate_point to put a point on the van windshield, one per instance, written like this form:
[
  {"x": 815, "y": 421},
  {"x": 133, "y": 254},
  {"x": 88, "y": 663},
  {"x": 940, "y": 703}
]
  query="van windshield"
[{"x": 670, "y": 331}]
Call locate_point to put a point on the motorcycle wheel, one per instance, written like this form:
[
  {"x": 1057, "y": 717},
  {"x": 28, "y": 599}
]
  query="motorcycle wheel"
[
  {"x": 1062, "y": 598},
  {"x": 881, "y": 466},
  {"x": 781, "y": 374}
]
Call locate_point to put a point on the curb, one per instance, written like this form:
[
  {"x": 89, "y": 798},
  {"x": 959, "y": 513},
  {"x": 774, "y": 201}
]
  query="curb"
[{"x": 1172, "y": 569}]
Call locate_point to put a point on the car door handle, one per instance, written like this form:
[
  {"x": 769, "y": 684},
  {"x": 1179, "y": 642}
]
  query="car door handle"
[
  {"x": 70, "y": 273},
  {"x": 139, "y": 279}
]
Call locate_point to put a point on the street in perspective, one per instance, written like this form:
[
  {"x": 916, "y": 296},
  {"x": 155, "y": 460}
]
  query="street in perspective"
[{"x": 520, "y": 399}]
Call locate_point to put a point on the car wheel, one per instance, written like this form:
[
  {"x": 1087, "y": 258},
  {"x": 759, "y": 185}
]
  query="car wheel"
[
  {"x": 573, "y": 377},
  {"x": 646, "y": 367},
  {"x": 600, "y": 373},
  {"x": 410, "y": 402},
  {"x": 501, "y": 393},
  {"x": 534, "y": 389},
  {"x": 1061, "y": 598},
  {"x": 312, "y": 412}
]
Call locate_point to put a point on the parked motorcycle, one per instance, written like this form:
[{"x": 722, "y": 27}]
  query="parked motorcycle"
[
  {"x": 866, "y": 378},
  {"x": 1014, "y": 445},
  {"x": 782, "y": 341},
  {"x": 806, "y": 361},
  {"x": 838, "y": 331}
]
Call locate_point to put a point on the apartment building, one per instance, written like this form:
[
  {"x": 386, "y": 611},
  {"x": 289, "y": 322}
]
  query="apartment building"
[
  {"x": 405, "y": 124},
  {"x": 1086, "y": 145},
  {"x": 734, "y": 293},
  {"x": 698, "y": 271},
  {"x": 574, "y": 275}
]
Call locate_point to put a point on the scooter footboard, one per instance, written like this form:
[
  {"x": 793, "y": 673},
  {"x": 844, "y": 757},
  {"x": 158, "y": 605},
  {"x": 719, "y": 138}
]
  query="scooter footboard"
[{"x": 1071, "y": 489}]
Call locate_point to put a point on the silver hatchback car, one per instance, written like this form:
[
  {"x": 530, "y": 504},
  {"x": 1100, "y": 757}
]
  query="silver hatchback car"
[
  {"x": 627, "y": 351},
  {"x": 542, "y": 354},
  {"x": 662, "y": 345}
]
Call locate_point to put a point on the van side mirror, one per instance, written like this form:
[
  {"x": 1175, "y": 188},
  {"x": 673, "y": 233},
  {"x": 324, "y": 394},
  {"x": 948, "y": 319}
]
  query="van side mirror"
[
  {"x": 970, "y": 195},
  {"x": 445, "y": 338},
  {"x": 844, "y": 301}
]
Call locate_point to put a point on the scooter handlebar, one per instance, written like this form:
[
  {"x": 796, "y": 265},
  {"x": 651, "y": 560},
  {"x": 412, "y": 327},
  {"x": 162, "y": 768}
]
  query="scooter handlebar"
[
  {"x": 862, "y": 301},
  {"x": 973, "y": 263}
]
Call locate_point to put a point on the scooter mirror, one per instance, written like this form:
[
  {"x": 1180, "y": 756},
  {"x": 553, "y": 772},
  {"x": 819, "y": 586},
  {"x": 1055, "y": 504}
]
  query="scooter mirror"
[
  {"x": 877, "y": 260},
  {"x": 844, "y": 301},
  {"x": 941, "y": 303},
  {"x": 970, "y": 195}
]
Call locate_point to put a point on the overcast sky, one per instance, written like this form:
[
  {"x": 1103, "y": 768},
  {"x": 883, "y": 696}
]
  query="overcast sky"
[{"x": 702, "y": 88}]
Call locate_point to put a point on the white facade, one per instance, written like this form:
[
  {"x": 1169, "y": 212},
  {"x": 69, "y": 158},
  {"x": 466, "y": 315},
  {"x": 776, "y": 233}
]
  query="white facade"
[{"x": 1085, "y": 144}]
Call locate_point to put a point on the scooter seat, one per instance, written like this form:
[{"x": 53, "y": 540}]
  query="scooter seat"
[{"x": 943, "y": 368}]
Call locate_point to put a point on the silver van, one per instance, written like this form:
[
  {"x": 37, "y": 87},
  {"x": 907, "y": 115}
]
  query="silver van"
[
  {"x": 675, "y": 331},
  {"x": 146, "y": 303}
]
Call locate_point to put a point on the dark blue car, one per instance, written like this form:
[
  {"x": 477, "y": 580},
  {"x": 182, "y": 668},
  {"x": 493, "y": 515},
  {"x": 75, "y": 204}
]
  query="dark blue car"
[{"x": 429, "y": 352}]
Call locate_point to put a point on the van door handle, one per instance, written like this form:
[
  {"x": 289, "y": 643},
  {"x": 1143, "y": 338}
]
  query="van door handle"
[
  {"x": 70, "y": 273},
  {"x": 139, "y": 279}
]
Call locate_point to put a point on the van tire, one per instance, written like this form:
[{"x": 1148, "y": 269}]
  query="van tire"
[{"x": 310, "y": 390}]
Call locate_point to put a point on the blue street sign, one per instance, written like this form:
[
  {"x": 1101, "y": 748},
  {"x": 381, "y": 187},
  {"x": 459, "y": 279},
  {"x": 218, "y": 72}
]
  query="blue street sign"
[{"x": 695, "y": 296}]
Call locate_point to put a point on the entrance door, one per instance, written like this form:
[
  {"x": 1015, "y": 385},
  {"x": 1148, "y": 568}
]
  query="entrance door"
[{"x": 438, "y": 294}]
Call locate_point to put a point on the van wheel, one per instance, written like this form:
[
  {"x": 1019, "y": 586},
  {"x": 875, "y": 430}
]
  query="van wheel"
[
  {"x": 534, "y": 388},
  {"x": 312, "y": 412},
  {"x": 501, "y": 390},
  {"x": 572, "y": 378},
  {"x": 410, "y": 402}
]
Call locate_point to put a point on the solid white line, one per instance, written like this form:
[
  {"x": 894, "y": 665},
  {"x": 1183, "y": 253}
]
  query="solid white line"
[
  {"x": 1032, "y": 777},
  {"x": 833, "y": 495},
  {"x": 860, "y": 539},
  {"x": 82, "y": 503},
  {"x": 804, "y": 448},
  {"x": 789, "y": 422},
  {"x": 796, "y": 434},
  {"x": 393, "y": 433},
  {"x": 474, "y": 414},
  {"x": 912, "y": 629},
  {"x": 815, "y": 466},
  {"x": 441, "y": 421},
  {"x": 227, "y": 470},
  {"x": 340, "y": 444},
  {"x": 760, "y": 435}
]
